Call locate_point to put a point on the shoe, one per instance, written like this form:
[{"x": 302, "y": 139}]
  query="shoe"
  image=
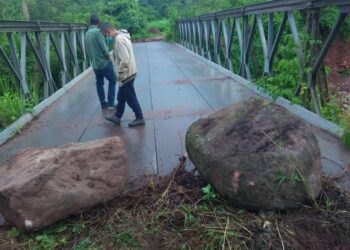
[
  {"x": 113, "y": 119},
  {"x": 137, "y": 122},
  {"x": 104, "y": 105},
  {"x": 113, "y": 105}
]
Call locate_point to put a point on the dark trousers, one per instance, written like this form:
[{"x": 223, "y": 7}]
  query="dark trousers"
[
  {"x": 127, "y": 94},
  {"x": 108, "y": 73}
]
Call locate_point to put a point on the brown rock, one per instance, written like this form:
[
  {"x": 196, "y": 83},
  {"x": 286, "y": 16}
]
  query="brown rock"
[
  {"x": 154, "y": 31},
  {"x": 257, "y": 155},
  {"x": 39, "y": 186}
]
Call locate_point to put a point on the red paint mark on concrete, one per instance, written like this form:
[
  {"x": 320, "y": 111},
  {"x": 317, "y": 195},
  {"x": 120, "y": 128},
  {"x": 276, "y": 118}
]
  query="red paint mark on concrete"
[{"x": 235, "y": 181}]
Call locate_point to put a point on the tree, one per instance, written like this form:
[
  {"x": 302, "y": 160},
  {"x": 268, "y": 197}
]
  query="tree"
[
  {"x": 127, "y": 14},
  {"x": 25, "y": 10}
]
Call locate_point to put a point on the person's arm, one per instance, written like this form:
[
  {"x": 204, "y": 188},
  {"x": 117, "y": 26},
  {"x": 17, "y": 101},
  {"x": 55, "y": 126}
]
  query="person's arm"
[
  {"x": 123, "y": 53},
  {"x": 103, "y": 46},
  {"x": 87, "y": 46}
]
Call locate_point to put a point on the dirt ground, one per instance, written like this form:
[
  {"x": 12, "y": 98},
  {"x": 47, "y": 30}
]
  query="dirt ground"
[
  {"x": 338, "y": 60},
  {"x": 174, "y": 212},
  {"x": 150, "y": 39}
]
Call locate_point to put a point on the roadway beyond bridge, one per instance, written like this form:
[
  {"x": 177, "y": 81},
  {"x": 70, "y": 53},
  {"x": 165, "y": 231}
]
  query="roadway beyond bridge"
[{"x": 175, "y": 88}]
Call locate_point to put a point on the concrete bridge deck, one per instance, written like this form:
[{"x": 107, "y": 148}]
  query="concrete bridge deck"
[{"x": 175, "y": 88}]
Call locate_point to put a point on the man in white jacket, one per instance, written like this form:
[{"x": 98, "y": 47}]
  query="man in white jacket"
[{"x": 126, "y": 73}]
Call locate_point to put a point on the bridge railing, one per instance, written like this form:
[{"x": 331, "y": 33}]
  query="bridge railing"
[
  {"x": 42, "y": 38},
  {"x": 211, "y": 36}
]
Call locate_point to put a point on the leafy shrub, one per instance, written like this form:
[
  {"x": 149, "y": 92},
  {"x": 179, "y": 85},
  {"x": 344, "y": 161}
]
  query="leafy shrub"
[
  {"x": 12, "y": 104},
  {"x": 161, "y": 25}
]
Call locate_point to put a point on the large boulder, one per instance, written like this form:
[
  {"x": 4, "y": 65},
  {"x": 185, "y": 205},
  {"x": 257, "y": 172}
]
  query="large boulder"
[
  {"x": 257, "y": 155},
  {"x": 39, "y": 186}
]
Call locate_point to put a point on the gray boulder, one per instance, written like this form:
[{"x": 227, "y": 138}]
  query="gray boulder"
[
  {"x": 39, "y": 186},
  {"x": 257, "y": 155}
]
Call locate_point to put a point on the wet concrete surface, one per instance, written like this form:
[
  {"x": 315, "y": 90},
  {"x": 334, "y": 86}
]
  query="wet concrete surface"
[{"x": 174, "y": 89}]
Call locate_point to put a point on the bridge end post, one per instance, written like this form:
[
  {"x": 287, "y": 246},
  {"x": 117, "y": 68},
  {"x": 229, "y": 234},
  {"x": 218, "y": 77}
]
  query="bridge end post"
[{"x": 63, "y": 53}]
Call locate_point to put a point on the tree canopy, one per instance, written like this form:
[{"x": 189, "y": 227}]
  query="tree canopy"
[{"x": 129, "y": 14}]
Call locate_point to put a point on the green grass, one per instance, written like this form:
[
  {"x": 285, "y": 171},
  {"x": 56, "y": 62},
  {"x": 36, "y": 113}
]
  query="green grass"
[
  {"x": 11, "y": 107},
  {"x": 12, "y": 103},
  {"x": 333, "y": 111}
]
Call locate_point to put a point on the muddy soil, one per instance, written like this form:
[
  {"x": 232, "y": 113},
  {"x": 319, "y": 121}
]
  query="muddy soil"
[
  {"x": 338, "y": 60},
  {"x": 173, "y": 212}
]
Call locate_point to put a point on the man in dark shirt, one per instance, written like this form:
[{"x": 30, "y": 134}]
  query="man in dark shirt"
[{"x": 101, "y": 61}]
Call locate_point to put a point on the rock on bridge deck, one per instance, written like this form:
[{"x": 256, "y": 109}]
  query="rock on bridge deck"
[{"x": 175, "y": 88}]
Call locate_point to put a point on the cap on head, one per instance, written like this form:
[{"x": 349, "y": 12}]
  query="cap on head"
[{"x": 94, "y": 20}]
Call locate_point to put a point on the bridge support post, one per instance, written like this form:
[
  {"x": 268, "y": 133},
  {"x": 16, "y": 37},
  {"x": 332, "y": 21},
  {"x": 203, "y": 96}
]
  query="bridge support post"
[
  {"x": 270, "y": 36},
  {"x": 189, "y": 36},
  {"x": 297, "y": 42},
  {"x": 247, "y": 41},
  {"x": 207, "y": 37},
  {"x": 47, "y": 56},
  {"x": 311, "y": 77},
  {"x": 16, "y": 65},
  {"x": 63, "y": 53},
  {"x": 183, "y": 32},
  {"x": 216, "y": 29},
  {"x": 75, "y": 55},
  {"x": 194, "y": 35},
  {"x": 186, "y": 35},
  {"x": 277, "y": 41},
  {"x": 265, "y": 46},
  {"x": 82, "y": 34},
  {"x": 200, "y": 37},
  {"x": 23, "y": 63},
  {"x": 240, "y": 42},
  {"x": 179, "y": 28},
  {"x": 228, "y": 31}
]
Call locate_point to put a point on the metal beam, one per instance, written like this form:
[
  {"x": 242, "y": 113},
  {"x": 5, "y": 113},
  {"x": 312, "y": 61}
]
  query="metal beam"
[
  {"x": 9, "y": 64},
  {"x": 228, "y": 31},
  {"x": 31, "y": 26},
  {"x": 240, "y": 42},
  {"x": 200, "y": 37},
  {"x": 23, "y": 64},
  {"x": 270, "y": 41},
  {"x": 311, "y": 76},
  {"x": 329, "y": 42},
  {"x": 216, "y": 29},
  {"x": 37, "y": 56},
  {"x": 16, "y": 66},
  {"x": 75, "y": 51},
  {"x": 69, "y": 41},
  {"x": 207, "y": 37},
  {"x": 63, "y": 52},
  {"x": 250, "y": 38},
  {"x": 263, "y": 43},
  {"x": 270, "y": 34},
  {"x": 277, "y": 40},
  {"x": 47, "y": 57},
  {"x": 274, "y": 6},
  {"x": 297, "y": 42}
]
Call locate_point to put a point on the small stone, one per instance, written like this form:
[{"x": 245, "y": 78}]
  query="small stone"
[
  {"x": 267, "y": 226},
  {"x": 28, "y": 223}
]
